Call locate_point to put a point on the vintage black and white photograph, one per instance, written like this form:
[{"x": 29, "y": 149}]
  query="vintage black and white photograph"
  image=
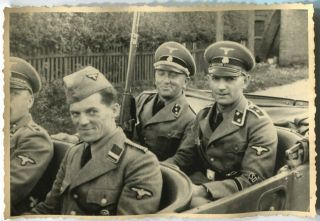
[{"x": 148, "y": 110}]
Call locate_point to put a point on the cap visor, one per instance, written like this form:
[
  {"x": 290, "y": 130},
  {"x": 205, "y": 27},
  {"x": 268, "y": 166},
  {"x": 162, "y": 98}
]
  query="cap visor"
[
  {"x": 225, "y": 72},
  {"x": 170, "y": 66}
]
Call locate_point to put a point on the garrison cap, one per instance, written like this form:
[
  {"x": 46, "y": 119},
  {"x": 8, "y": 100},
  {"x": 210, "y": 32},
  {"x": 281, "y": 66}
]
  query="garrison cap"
[
  {"x": 23, "y": 75},
  {"x": 227, "y": 58},
  {"x": 83, "y": 83},
  {"x": 175, "y": 57}
]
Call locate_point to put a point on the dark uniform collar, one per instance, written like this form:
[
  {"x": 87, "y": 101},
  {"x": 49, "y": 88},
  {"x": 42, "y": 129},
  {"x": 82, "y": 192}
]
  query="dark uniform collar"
[
  {"x": 106, "y": 154},
  {"x": 233, "y": 119},
  {"x": 20, "y": 123},
  {"x": 171, "y": 111}
]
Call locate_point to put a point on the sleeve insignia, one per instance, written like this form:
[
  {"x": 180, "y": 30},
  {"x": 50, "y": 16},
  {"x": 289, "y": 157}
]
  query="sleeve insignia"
[
  {"x": 260, "y": 150},
  {"x": 176, "y": 110},
  {"x": 141, "y": 192},
  {"x": 115, "y": 153},
  {"x": 25, "y": 160},
  {"x": 253, "y": 178}
]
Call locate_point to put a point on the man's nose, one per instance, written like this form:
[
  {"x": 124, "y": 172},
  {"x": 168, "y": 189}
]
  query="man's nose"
[
  {"x": 166, "y": 78},
  {"x": 221, "y": 85},
  {"x": 83, "y": 119}
]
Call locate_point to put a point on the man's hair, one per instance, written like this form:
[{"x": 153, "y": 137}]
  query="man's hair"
[{"x": 108, "y": 95}]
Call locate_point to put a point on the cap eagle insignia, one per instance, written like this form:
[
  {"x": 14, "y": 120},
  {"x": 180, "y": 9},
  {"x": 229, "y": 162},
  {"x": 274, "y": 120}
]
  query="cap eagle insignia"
[
  {"x": 171, "y": 49},
  {"x": 93, "y": 76}
]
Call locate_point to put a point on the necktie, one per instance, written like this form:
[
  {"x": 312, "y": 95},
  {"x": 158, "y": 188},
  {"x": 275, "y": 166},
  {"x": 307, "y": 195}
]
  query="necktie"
[
  {"x": 157, "y": 107},
  {"x": 217, "y": 121},
  {"x": 86, "y": 155}
]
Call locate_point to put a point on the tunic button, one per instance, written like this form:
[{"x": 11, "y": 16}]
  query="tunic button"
[
  {"x": 236, "y": 148},
  {"x": 61, "y": 189},
  {"x": 211, "y": 159},
  {"x": 73, "y": 212},
  {"x": 75, "y": 196},
  {"x": 103, "y": 201},
  {"x": 104, "y": 212}
]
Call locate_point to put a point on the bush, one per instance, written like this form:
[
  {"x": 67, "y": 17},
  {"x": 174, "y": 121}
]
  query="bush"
[{"x": 50, "y": 109}]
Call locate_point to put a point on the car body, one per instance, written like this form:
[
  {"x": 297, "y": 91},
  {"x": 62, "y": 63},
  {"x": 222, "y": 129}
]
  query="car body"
[{"x": 288, "y": 189}]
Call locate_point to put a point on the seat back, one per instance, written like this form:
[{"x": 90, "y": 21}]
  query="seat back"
[
  {"x": 176, "y": 190},
  {"x": 46, "y": 181},
  {"x": 286, "y": 139}
]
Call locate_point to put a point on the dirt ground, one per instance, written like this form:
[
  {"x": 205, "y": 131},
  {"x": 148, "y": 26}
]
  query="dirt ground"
[{"x": 298, "y": 90}]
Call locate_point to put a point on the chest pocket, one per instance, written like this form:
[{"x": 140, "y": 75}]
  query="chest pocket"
[
  {"x": 235, "y": 147},
  {"x": 167, "y": 144},
  {"x": 101, "y": 202}
]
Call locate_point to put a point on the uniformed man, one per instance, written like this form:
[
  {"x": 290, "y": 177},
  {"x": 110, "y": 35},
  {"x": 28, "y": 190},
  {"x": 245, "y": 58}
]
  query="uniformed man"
[
  {"x": 232, "y": 144},
  {"x": 105, "y": 174},
  {"x": 162, "y": 117},
  {"x": 31, "y": 149}
]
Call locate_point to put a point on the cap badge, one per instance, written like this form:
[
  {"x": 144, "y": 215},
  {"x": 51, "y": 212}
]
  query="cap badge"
[
  {"x": 170, "y": 59},
  {"x": 226, "y": 50},
  {"x": 171, "y": 49},
  {"x": 225, "y": 60},
  {"x": 93, "y": 76}
]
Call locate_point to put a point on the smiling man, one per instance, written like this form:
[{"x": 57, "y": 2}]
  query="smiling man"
[
  {"x": 105, "y": 174},
  {"x": 233, "y": 143},
  {"x": 163, "y": 117}
]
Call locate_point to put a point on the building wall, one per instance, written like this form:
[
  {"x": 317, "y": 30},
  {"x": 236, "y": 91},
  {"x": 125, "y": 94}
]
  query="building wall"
[{"x": 293, "y": 47}]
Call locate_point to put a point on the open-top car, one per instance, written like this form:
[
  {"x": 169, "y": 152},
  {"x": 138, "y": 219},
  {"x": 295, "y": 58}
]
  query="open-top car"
[{"x": 288, "y": 189}]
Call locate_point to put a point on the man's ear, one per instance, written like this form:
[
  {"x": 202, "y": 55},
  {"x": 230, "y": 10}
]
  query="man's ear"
[
  {"x": 30, "y": 100},
  {"x": 116, "y": 109},
  {"x": 186, "y": 82},
  {"x": 246, "y": 80}
]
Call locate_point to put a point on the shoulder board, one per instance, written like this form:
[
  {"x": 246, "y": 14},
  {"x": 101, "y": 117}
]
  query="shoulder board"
[
  {"x": 137, "y": 146},
  {"x": 144, "y": 97},
  {"x": 205, "y": 110},
  {"x": 149, "y": 92},
  {"x": 256, "y": 110},
  {"x": 34, "y": 127}
]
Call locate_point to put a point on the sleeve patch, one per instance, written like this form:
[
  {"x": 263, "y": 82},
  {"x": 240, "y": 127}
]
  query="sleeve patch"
[
  {"x": 24, "y": 160},
  {"x": 141, "y": 193},
  {"x": 253, "y": 178},
  {"x": 260, "y": 150}
]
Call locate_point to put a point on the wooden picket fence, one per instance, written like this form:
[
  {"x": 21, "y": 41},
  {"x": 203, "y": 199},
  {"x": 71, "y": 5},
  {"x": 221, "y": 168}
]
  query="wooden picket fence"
[{"x": 113, "y": 65}]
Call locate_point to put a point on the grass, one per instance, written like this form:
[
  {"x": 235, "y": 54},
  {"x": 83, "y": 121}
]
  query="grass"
[{"x": 51, "y": 111}]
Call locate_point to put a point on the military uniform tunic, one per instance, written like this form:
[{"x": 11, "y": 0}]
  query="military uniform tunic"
[
  {"x": 163, "y": 132},
  {"x": 31, "y": 151},
  {"x": 121, "y": 178},
  {"x": 240, "y": 152}
]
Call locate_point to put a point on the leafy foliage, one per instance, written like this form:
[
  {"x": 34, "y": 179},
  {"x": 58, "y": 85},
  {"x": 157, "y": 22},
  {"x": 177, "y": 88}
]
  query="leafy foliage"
[{"x": 69, "y": 33}]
